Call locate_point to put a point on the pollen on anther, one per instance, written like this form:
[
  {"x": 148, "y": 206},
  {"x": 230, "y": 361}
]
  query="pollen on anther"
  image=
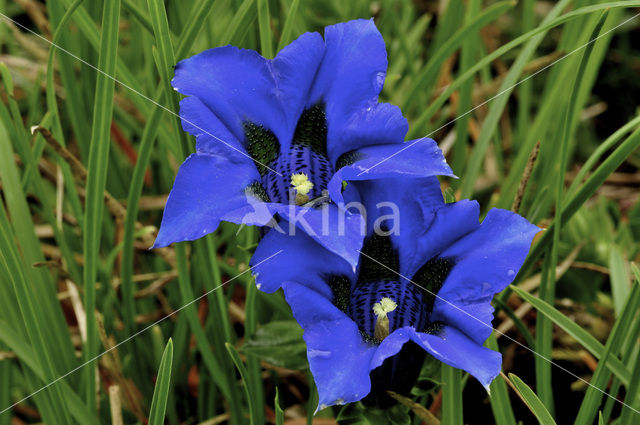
[
  {"x": 386, "y": 305},
  {"x": 300, "y": 181}
]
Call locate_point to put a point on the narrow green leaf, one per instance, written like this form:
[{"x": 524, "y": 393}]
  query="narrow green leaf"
[
  {"x": 544, "y": 329},
  {"x": 572, "y": 328},
  {"x": 96, "y": 181},
  {"x": 498, "y": 104},
  {"x": 451, "y": 395},
  {"x": 187, "y": 38},
  {"x": 500, "y": 403},
  {"x": 279, "y": 343},
  {"x": 533, "y": 402},
  {"x": 166, "y": 61},
  {"x": 426, "y": 79},
  {"x": 40, "y": 285},
  {"x": 278, "y": 409},
  {"x": 631, "y": 412},
  {"x": 600, "y": 378},
  {"x": 16, "y": 341},
  {"x": 11, "y": 268},
  {"x": 264, "y": 27},
  {"x": 419, "y": 123},
  {"x": 161, "y": 392},
  {"x": 608, "y": 166},
  {"x": 245, "y": 378},
  {"x": 241, "y": 20},
  {"x": 603, "y": 147},
  {"x": 619, "y": 278},
  {"x": 287, "y": 31},
  {"x": 186, "y": 291}
]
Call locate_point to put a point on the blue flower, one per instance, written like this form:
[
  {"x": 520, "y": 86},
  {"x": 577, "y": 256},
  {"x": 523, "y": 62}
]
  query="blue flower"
[
  {"x": 271, "y": 134},
  {"x": 423, "y": 285}
]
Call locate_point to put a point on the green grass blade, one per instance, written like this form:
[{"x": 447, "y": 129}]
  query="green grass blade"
[
  {"x": 163, "y": 383},
  {"x": 278, "y": 409},
  {"x": 498, "y": 104},
  {"x": 242, "y": 19},
  {"x": 139, "y": 13},
  {"x": 212, "y": 364},
  {"x": 245, "y": 378},
  {"x": 187, "y": 38},
  {"x": 598, "y": 385},
  {"x": 619, "y": 279},
  {"x": 12, "y": 270},
  {"x": 16, "y": 341},
  {"x": 96, "y": 181},
  {"x": 41, "y": 285},
  {"x": 532, "y": 401},
  {"x": 468, "y": 55},
  {"x": 605, "y": 146},
  {"x": 500, "y": 403},
  {"x": 426, "y": 79},
  {"x": 166, "y": 61},
  {"x": 572, "y": 328},
  {"x": 608, "y": 166},
  {"x": 264, "y": 27},
  {"x": 419, "y": 124},
  {"x": 451, "y": 395},
  {"x": 544, "y": 329},
  {"x": 629, "y": 414},
  {"x": 287, "y": 30}
]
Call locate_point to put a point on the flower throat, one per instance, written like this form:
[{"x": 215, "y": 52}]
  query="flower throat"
[
  {"x": 303, "y": 172},
  {"x": 381, "y": 301}
]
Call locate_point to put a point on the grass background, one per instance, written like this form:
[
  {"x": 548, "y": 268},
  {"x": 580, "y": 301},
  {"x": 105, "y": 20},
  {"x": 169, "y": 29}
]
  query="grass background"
[{"x": 82, "y": 195}]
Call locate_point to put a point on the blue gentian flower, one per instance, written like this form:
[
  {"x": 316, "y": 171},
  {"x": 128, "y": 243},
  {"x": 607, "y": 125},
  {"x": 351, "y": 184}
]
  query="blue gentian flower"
[
  {"x": 281, "y": 132},
  {"x": 423, "y": 287}
]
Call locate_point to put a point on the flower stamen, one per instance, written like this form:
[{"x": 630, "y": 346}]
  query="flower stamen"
[
  {"x": 302, "y": 186},
  {"x": 381, "y": 309}
]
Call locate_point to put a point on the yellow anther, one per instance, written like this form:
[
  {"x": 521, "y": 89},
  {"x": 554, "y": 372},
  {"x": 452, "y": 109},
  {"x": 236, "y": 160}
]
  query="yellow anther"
[
  {"x": 381, "y": 309},
  {"x": 302, "y": 185}
]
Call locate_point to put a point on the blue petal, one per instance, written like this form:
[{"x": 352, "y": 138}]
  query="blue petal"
[
  {"x": 382, "y": 123},
  {"x": 212, "y": 137},
  {"x": 349, "y": 80},
  {"x": 236, "y": 85},
  {"x": 448, "y": 224},
  {"x": 353, "y": 69},
  {"x": 450, "y": 346},
  {"x": 336, "y": 230},
  {"x": 458, "y": 350},
  {"x": 207, "y": 189},
  {"x": 408, "y": 207},
  {"x": 296, "y": 259},
  {"x": 338, "y": 357},
  {"x": 486, "y": 261},
  {"x": 295, "y": 69},
  {"x": 424, "y": 159}
]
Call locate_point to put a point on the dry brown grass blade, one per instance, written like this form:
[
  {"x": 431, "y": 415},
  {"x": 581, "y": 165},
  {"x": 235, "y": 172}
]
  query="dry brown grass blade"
[
  {"x": 419, "y": 410},
  {"x": 115, "y": 404},
  {"x": 113, "y": 205},
  {"x": 515, "y": 207}
]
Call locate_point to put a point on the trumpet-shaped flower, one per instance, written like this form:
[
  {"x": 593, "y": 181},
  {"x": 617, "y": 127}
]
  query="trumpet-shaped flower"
[
  {"x": 281, "y": 133},
  {"x": 422, "y": 289}
]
